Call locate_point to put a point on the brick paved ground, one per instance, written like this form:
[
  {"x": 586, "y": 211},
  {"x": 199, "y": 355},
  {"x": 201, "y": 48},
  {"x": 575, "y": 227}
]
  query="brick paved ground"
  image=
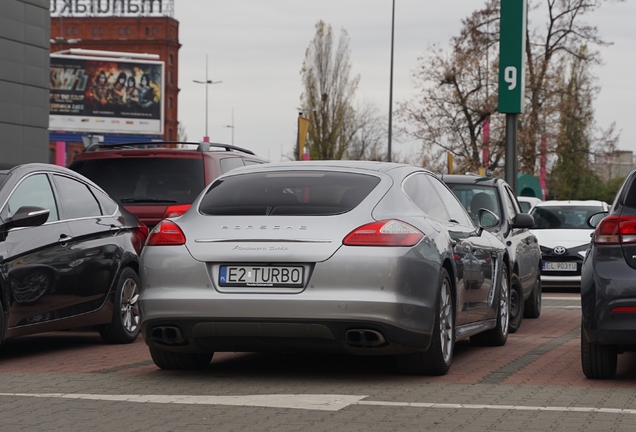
[{"x": 538, "y": 367}]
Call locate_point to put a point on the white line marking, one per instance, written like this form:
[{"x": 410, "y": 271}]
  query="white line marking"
[
  {"x": 578, "y": 298},
  {"x": 307, "y": 402},
  {"x": 562, "y": 307}
]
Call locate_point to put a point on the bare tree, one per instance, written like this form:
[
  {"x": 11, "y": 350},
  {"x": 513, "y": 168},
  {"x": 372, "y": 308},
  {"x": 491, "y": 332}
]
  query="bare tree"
[
  {"x": 457, "y": 96},
  {"x": 457, "y": 88},
  {"x": 328, "y": 94}
]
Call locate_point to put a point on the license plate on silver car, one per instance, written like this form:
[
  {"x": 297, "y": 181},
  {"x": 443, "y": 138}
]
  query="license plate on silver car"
[
  {"x": 559, "y": 266},
  {"x": 261, "y": 276}
]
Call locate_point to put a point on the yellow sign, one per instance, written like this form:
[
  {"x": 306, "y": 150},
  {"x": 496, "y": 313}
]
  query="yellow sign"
[
  {"x": 450, "y": 163},
  {"x": 303, "y": 128}
]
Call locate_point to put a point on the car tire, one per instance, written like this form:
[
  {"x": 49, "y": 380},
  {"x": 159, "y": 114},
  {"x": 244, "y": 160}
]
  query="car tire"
[
  {"x": 532, "y": 306},
  {"x": 437, "y": 359},
  {"x": 499, "y": 335},
  {"x": 516, "y": 304},
  {"x": 2, "y": 321},
  {"x": 171, "y": 360},
  {"x": 598, "y": 361},
  {"x": 124, "y": 328}
]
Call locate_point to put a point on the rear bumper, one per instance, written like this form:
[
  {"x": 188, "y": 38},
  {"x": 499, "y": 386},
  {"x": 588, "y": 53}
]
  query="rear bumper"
[
  {"x": 395, "y": 296},
  {"x": 206, "y": 335}
]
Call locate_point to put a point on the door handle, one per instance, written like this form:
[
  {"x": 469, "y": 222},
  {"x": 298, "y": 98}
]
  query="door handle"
[
  {"x": 64, "y": 239},
  {"x": 114, "y": 230}
]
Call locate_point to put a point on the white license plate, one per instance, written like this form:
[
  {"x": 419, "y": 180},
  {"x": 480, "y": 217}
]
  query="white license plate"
[
  {"x": 559, "y": 266},
  {"x": 261, "y": 276}
]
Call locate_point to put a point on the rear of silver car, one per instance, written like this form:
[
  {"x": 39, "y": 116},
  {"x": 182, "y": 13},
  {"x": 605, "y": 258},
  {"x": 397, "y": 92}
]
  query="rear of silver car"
[{"x": 255, "y": 279}]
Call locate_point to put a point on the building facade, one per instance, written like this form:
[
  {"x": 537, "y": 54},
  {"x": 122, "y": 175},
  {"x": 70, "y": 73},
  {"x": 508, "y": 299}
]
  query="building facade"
[
  {"x": 138, "y": 26},
  {"x": 24, "y": 81}
]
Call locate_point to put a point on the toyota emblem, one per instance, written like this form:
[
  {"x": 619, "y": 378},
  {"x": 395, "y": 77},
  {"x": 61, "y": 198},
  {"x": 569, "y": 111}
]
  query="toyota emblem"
[{"x": 559, "y": 250}]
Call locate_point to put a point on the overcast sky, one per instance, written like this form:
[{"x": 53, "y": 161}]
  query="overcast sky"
[{"x": 256, "y": 48}]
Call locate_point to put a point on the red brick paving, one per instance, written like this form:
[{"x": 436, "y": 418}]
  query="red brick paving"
[{"x": 83, "y": 352}]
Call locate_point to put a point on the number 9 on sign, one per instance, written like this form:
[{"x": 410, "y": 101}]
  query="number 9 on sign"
[{"x": 510, "y": 76}]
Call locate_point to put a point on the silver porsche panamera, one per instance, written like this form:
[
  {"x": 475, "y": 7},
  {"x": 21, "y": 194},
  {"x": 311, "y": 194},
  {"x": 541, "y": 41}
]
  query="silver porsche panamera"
[{"x": 368, "y": 258}]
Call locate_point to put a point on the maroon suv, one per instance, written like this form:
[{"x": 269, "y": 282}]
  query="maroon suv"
[{"x": 159, "y": 179}]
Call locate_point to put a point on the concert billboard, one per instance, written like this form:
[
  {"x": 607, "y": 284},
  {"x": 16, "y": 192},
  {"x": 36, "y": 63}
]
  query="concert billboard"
[{"x": 106, "y": 95}]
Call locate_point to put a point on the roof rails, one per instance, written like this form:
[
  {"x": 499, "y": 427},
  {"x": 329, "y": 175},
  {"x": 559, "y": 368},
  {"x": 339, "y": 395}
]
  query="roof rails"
[{"x": 201, "y": 146}]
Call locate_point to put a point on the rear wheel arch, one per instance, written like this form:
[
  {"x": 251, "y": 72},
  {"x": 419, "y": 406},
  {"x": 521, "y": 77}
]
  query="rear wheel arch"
[{"x": 448, "y": 266}]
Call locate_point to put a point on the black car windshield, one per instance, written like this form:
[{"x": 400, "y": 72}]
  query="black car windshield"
[
  {"x": 563, "y": 217},
  {"x": 287, "y": 193},
  {"x": 146, "y": 180},
  {"x": 474, "y": 197}
]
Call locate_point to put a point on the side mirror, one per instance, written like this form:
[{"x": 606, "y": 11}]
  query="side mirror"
[
  {"x": 27, "y": 216},
  {"x": 593, "y": 220},
  {"x": 487, "y": 219},
  {"x": 523, "y": 220}
]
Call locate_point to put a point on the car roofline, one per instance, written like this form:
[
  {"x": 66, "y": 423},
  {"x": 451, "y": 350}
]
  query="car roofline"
[{"x": 201, "y": 146}]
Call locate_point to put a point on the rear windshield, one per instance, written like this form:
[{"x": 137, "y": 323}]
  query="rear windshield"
[
  {"x": 3, "y": 177},
  {"x": 146, "y": 180},
  {"x": 287, "y": 193},
  {"x": 563, "y": 217}
]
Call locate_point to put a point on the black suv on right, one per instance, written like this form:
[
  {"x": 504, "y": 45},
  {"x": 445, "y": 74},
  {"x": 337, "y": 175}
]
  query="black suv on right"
[
  {"x": 522, "y": 248},
  {"x": 608, "y": 286},
  {"x": 160, "y": 179}
]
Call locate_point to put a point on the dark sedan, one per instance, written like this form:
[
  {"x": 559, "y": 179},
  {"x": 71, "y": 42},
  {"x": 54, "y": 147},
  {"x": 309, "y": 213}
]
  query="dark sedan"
[
  {"x": 522, "y": 249},
  {"x": 69, "y": 256}
]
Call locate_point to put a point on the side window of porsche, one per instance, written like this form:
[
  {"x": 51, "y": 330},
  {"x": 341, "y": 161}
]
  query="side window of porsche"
[{"x": 34, "y": 190}]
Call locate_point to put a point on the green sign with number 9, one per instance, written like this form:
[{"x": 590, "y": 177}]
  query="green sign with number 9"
[{"x": 512, "y": 44}]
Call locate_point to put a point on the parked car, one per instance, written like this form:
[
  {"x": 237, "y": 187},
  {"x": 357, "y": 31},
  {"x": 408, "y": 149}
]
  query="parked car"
[
  {"x": 69, "y": 256},
  {"x": 528, "y": 203},
  {"x": 564, "y": 236},
  {"x": 608, "y": 291},
  {"x": 522, "y": 249},
  {"x": 159, "y": 179},
  {"x": 356, "y": 257}
]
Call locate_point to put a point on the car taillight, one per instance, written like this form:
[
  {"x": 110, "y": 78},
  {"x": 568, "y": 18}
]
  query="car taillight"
[
  {"x": 616, "y": 230},
  {"x": 384, "y": 233},
  {"x": 624, "y": 309},
  {"x": 139, "y": 237},
  {"x": 166, "y": 233},
  {"x": 175, "y": 210}
]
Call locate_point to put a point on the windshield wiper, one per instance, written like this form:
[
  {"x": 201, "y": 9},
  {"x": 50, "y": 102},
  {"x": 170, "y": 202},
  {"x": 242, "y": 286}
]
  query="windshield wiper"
[{"x": 146, "y": 200}]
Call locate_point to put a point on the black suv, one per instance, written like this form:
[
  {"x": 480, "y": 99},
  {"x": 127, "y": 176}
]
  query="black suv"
[
  {"x": 522, "y": 248},
  {"x": 608, "y": 285},
  {"x": 159, "y": 179}
]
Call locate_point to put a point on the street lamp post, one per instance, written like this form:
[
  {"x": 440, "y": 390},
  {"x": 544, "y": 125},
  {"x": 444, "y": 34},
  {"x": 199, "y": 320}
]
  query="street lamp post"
[
  {"x": 231, "y": 126},
  {"x": 207, "y": 81}
]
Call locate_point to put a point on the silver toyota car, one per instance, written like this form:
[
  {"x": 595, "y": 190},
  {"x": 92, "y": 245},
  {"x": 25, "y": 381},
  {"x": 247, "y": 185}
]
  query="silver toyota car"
[{"x": 327, "y": 256}]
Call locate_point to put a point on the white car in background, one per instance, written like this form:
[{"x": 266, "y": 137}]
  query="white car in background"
[
  {"x": 563, "y": 233},
  {"x": 528, "y": 203}
]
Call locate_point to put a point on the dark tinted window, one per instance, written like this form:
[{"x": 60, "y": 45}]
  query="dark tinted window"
[
  {"x": 2, "y": 179},
  {"x": 421, "y": 192},
  {"x": 76, "y": 199},
  {"x": 36, "y": 191},
  {"x": 287, "y": 193},
  {"x": 146, "y": 180},
  {"x": 630, "y": 194},
  {"x": 107, "y": 205},
  {"x": 474, "y": 197},
  {"x": 228, "y": 164},
  {"x": 563, "y": 217}
]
